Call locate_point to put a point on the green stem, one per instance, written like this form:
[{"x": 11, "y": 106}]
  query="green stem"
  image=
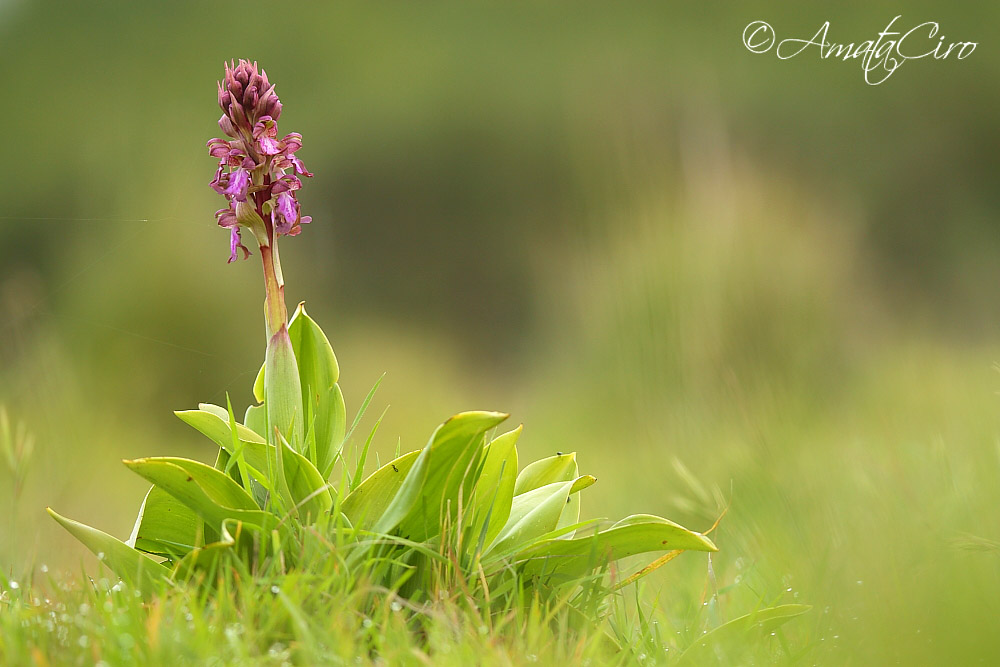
[{"x": 274, "y": 302}]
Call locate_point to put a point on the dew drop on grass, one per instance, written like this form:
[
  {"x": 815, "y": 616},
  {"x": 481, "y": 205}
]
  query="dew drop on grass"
[
  {"x": 83, "y": 641},
  {"x": 367, "y": 623},
  {"x": 44, "y": 568},
  {"x": 14, "y": 585},
  {"x": 275, "y": 589},
  {"x": 233, "y": 631},
  {"x": 100, "y": 555},
  {"x": 395, "y": 606}
]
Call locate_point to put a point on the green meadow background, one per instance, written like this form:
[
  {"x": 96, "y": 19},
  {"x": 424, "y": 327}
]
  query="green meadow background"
[{"x": 723, "y": 279}]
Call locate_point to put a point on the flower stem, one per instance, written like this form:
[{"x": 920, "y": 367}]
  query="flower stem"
[{"x": 274, "y": 303}]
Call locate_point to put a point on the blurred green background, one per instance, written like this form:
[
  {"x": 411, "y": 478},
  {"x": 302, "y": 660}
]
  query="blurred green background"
[{"x": 722, "y": 278}]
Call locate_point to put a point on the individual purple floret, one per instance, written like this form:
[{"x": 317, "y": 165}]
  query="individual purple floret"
[{"x": 253, "y": 161}]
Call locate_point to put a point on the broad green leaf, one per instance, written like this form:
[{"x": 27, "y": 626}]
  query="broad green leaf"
[
  {"x": 255, "y": 419},
  {"x": 212, "y": 495},
  {"x": 323, "y": 401},
  {"x": 329, "y": 424},
  {"x": 257, "y": 454},
  {"x": 317, "y": 363},
  {"x": 455, "y": 453},
  {"x": 309, "y": 340},
  {"x": 636, "y": 534},
  {"x": 570, "y": 514},
  {"x": 366, "y": 504},
  {"x": 534, "y": 514},
  {"x": 216, "y": 410},
  {"x": 558, "y": 468},
  {"x": 727, "y": 641},
  {"x": 408, "y": 494},
  {"x": 491, "y": 500},
  {"x": 216, "y": 427},
  {"x": 165, "y": 526},
  {"x": 308, "y": 489},
  {"x": 135, "y": 568},
  {"x": 282, "y": 390}
]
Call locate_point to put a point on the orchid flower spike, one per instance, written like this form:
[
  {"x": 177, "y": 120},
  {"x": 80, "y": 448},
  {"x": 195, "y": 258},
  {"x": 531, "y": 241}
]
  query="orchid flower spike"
[{"x": 258, "y": 173}]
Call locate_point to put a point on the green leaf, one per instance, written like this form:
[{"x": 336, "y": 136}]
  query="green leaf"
[
  {"x": 407, "y": 496},
  {"x": 318, "y": 375},
  {"x": 366, "y": 504},
  {"x": 317, "y": 362},
  {"x": 359, "y": 470},
  {"x": 212, "y": 495},
  {"x": 636, "y": 534},
  {"x": 322, "y": 402},
  {"x": 558, "y": 468},
  {"x": 329, "y": 423},
  {"x": 309, "y": 492},
  {"x": 255, "y": 419},
  {"x": 259, "y": 456},
  {"x": 216, "y": 410},
  {"x": 216, "y": 427},
  {"x": 258, "y": 384},
  {"x": 454, "y": 457},
  {"x": 727, "y": 641},
  {"x": 491, "y": 500},
  {"x": 534, "y": 514},
  {"x": 165, "y": 526},
  {"x": 133, "y": 567},
  {"x": 282, "y": 390}
]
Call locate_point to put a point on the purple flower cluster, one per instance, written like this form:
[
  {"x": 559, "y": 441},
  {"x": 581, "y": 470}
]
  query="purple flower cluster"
[{"x": 253, "y": 162}]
